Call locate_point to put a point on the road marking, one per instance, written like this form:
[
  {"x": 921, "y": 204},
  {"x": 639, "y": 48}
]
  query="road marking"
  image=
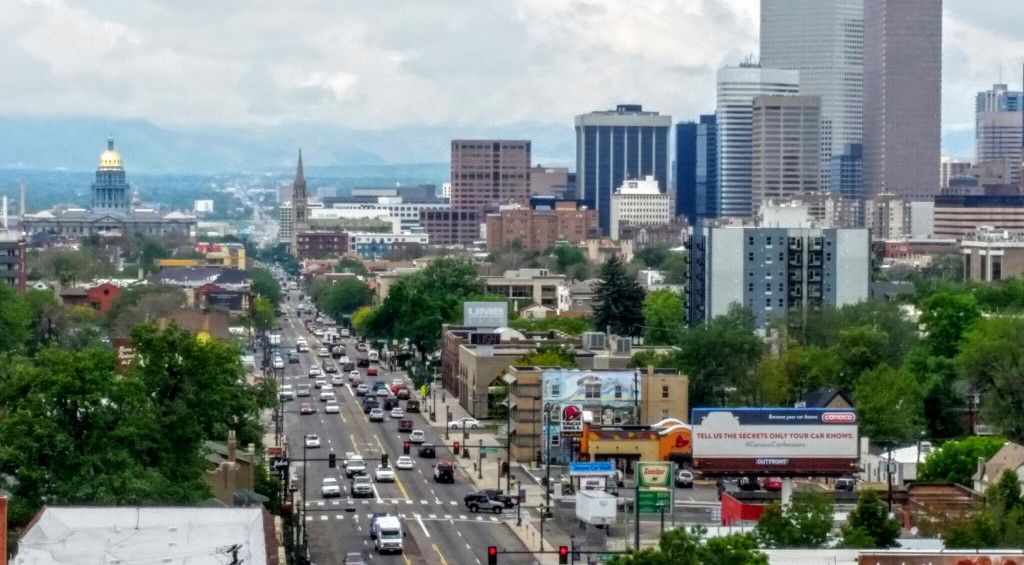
[
  {"x": 454, "y": 503},
  {"x": 376, "y": 494},
  {"x": 355, "y": 446},
  {"x": 441, "y": 555},
  {"x": 419, "y": 520},
  {"x": 323, "y": 518}
]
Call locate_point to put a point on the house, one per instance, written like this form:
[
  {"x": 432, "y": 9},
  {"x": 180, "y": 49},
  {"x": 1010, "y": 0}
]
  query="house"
[
  {"x": 827, "y": 397},
  {"x": 581, "y": 295},
  {"x": 1009, "y": 458},
  {"x": 231, "y": 474}
]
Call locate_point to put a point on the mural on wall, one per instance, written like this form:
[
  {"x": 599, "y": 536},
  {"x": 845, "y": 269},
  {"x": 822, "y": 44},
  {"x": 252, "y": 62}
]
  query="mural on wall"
[{"x": 608, "y": 388}]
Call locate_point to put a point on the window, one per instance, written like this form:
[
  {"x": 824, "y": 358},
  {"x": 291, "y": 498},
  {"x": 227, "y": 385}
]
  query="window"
[
  {"x": 664, "y": 413},
  {"x": 592, "y": 391},
  {"x": 554, "y": 440},
  {"x": 618, "y": 391},
  {"x": 768, "y": 241},
  {"x": 664, "y": 391},
  {"x": 556, "y": 390},
  {"x": 750, "y": 256}
]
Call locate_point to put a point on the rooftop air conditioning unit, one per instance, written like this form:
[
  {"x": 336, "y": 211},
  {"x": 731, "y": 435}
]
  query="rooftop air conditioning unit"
[
  {"x": 594, "y": 340},
  {"x": 624, "y": 346}
]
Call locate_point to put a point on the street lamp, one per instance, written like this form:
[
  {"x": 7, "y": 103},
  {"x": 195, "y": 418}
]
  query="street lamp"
[
  {"x": 547, "y": 478},
  {"x": 519, "y": 503},
  {"x": 509, "y": 381}
]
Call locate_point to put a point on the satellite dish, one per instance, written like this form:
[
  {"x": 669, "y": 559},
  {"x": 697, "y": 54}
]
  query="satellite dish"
[{"x": 913, "y": 531}]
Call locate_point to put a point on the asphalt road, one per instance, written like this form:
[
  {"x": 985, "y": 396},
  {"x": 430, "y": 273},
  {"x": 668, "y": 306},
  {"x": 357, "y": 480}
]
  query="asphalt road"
[{"x": 440, "y": 529}]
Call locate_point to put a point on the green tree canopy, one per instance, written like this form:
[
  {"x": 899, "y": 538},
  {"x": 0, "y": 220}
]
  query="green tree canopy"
[
  {"x": 351, "y": 265},
  {"x": 140, "y": 304},
  {"x": 264, "y": 284},
  {"x": 652, "y": 257},
  {"x": 674, "y": 267},
  {"x": 718, "y": 355},
  {"x": 343, "y": 298},
  {"x": 869, "y": 525},
  {"x": 889, "y": 406},
  {"x": 15, "y": 319},
  {"x": 992, "y": 359},
  {"x": 549, "y": 356},
  {"x": 618, "y": 300},
  {"x": 663, "y": 317},
  {"x": 957, "y": 461},
  {"x": 570, "y": 326},
  {"x": 805, "y": 523},
  {"x": 681, "y": 546},
  {"x": 947, "y": 317}
]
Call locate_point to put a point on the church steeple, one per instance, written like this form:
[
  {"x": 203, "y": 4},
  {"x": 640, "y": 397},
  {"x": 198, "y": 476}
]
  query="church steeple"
[
  {"x": 299, "y": 175},
  {"x": 299, "y": 186}
]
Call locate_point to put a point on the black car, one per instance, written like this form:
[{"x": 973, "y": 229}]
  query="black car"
[
  {"x": 363, "y": 362},
  {"x": 370, "y": 405},
  {"x": 493, "y": 494},
  {"x": 427, "y": 451},
  {"x": 749, "y": 484},
  {"x": 727, "y": 487}
]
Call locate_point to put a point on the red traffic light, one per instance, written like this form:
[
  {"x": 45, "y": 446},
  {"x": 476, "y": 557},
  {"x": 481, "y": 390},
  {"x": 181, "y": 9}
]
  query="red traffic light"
[
  {"x": 491, "y": 550},
  {"x": 455, "y": 448},
  {"x": 563, "y": 555},
  {"x": 405, "y": 448},
  {"x": 492, "y": 555}
]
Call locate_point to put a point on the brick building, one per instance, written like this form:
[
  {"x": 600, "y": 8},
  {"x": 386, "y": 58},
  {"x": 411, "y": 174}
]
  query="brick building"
[
  {"x": 321, "y": 243},
  {"x": 538, "y": 230}
]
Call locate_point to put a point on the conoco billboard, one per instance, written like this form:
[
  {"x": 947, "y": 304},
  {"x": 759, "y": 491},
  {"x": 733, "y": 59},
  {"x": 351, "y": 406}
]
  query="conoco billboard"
[{"x": 775, "y": 440}]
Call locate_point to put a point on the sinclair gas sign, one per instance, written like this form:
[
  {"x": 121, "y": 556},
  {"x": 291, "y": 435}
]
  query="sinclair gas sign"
[{"x": 813, "y": 441}]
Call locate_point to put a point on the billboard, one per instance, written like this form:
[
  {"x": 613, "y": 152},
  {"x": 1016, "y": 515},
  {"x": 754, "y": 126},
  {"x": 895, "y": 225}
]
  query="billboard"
[
  {"x": 485, "y": 314},
  {"x": 770, "y": 441},
  {"x": 572, "y": 420}
]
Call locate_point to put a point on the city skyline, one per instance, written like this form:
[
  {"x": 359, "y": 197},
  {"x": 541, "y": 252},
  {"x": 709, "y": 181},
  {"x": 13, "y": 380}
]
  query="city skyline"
[{"x": 386, "y": 66}]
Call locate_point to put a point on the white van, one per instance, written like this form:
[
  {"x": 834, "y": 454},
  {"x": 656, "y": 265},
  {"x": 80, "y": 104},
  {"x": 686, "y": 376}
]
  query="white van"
[
  {"x": 387, "y": 534},
  {"x": 373, "y": 355}
]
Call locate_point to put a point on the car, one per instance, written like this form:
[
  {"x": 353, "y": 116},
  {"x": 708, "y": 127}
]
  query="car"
[
  {"x": 467, "y": 423},
  {"x": 312, "y": 440},
  {"x": 362, "y": 486},
  {"x": 327, "y": 395},
  {"x": 404, "y": 463},
  {"x": 345, "y": 332},
  {"x": 772, "y": 484},
  {"x": 444, "y": 472},
  {"x": 323, "y": 352},
  {"x": 354, "y": 466},
  {"x": 412, "y": 406},
  {"x": 405, "y": 425},
  {"x": 364, "y": 362},
  {"x": 293, "y": 358},
  {"x": 376, "y": 415},
  {"x": 314, "y": 372},
  {"x": 354, "y": 375},
  {"x": 337, "y": 380},
  {"x": 354, "y": 559},
  {"x": 319, "y": 383},
  {"x": 417, "y": 436},
  {"x": 370, "y": 404},
  {"x": 344, "y": 359},
  {"x": 329, "y": 367},
  {"x": 361, "y": 346},
  {"x": 371, "y": 372},
  {"x": 848, "y": 484},
  {"x": 684, "y": 478},
  {"x": 332, "y": 407},
  {"x": 494, "y": 494},
  {"x": 727, "y": 487},
  {"x": 361, "y": 390},
  {"x": 318, "y": 332},
  {"x": 384, "y": 474},
  {"x": 478, "y": 502},
  {"x": 307, "y": 409},
  {"x": 278, "y": 363},
  {"x": 327, "y": 386},
  {"x": 397, "y": 413},
  {"x": 749, "y": 483},
  {"x": 427, "y": 451},
  {"x": 383, "y": 393},
  {"x": 330, "y": 488},
  {"x": 286, "y": 393},
  {"x": 403, "y": 393}
]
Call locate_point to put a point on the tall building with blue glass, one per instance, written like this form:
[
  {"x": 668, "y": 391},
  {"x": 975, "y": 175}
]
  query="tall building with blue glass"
[
  {"x": 615, "y": 145},
  {"x": 696, "y": 166}
]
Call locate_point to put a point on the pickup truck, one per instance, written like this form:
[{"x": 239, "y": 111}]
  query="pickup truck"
[
  {"x": 355, "y": 466},
  {"x": 362, "y": 485},
  {"x": 478, "y": 502},
  {"x": 494, "y": 494}
]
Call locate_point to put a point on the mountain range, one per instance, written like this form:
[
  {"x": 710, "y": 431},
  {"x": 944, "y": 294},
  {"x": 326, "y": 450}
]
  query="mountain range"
[{"x": 73, "y": 144}]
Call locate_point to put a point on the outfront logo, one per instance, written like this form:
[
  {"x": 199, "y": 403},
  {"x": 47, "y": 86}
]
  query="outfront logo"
[{"x": 838, "y": 417}]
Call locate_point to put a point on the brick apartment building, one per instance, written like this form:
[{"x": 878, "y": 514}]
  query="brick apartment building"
[{"x": 538, "y": 230}]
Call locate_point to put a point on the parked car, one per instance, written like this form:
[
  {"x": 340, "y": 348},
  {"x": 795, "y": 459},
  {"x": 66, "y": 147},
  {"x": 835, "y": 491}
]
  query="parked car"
[
  {"x": 727, "y": 487},
  {"x": 417, "y": 436},
  {"x": 478, "y": 502},
  {"x": 848, "y": 484},
  {"x": 772, "y": 484},
  {"x": 684, "y": 478},
  {"x": 468, "y": 423},
  {"x": 749, "y": 483}
]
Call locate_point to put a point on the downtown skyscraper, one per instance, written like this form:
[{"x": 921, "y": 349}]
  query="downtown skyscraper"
[
  {"x": 824, "y": 40},
  {"x": 902, "y": 97}
]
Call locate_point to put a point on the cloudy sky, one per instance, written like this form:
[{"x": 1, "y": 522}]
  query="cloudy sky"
[{"x": 379, "y": 63}]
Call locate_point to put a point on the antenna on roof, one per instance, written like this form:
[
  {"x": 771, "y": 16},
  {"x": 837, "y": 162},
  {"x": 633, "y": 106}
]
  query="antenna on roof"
[{"x": 233, "y": 551}]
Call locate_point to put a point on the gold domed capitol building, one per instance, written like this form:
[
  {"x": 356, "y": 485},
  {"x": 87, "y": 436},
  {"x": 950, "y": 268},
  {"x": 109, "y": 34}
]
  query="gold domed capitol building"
[{"x": 114, "y": 210}]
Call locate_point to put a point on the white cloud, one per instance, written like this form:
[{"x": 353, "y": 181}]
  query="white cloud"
[{"x": 392, "y": 62}]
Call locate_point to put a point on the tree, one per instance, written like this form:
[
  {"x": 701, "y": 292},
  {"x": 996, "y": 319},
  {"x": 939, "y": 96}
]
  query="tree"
[
  {"x": 549, "y": 356},
  {"x": 869, "y": 524},
  {"x": 957, "y": 461},
  {"x": 804, "y": 523},
  {"x": 652, "y": 257},
  {"x": 571, "y": 326},
  {"x": 947, "y": 316},
  {"x": 360, "y": 318},
  {"x": 889, "y": 405},
  {"x": 566, "y": 258},
  {"x": 343, "y": 298},
  {"x": 618, "y": 300},
  {"x": 15, "y": 319},
  {"x": 674, "y": 268},
  {"x": 681, "y": 546},
  {"x": 264, "y": 284},
  {"x": 663, "y": 317},
  {"x": 262, "y": 314},
  {"x": 718, "y": 355},
  {"x": 139, "y": 304},
  {"x": 999, "y": 524},
  {"x": 351, "y": 265},
  {"x": 856, "y": 349},
  {"x": 992, "y": 359}
]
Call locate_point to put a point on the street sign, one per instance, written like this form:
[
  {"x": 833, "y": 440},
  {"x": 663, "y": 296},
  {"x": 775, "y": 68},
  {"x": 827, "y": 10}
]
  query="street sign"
[
  {"x": 488, "y": 450},
  {"x": 606, "y": 557},
  {"x": 651, "y": 498},
  {"x": 578, "y": 468}
]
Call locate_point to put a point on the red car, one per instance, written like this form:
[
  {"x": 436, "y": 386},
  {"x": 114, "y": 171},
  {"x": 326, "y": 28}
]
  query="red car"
[
  {"x": 772, "y": 484},
  {"x": 405, "y": 425},
  {"x": 307, "y": 409},
  {"x": 371, "y": 372}
]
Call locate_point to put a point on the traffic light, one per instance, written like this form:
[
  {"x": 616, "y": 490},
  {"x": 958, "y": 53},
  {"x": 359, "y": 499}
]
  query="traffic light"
[
  {"x": 332, "y": 461},
  {"x": 455, "y": 448},
  {"x": 492, "y": 555},
  {"x": 384, "y": 459},
  {"x": 405, "y": 448},
  {"x": 563, "y": 555}
]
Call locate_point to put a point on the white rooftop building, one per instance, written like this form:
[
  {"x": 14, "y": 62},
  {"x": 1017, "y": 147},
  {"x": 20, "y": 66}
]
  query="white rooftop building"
[{"x": 641, "y": 203}]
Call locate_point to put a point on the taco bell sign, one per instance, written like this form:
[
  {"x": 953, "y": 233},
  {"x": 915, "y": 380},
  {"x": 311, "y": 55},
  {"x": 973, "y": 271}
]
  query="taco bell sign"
[{"x": 485, "y": 314}]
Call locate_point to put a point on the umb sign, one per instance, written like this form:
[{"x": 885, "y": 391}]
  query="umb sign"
[
  {"x": 814, "y": 441},
  {"x": 485, "y": 314}
]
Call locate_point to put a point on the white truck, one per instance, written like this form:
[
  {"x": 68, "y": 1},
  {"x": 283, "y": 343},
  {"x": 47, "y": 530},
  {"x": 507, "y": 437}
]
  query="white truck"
[
  {"x": 386, "y": 532},
  {"x": 595, "y": 508}
]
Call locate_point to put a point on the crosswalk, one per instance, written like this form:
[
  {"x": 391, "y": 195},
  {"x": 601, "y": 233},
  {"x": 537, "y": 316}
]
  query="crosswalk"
[{"x": 325, "y": 517}]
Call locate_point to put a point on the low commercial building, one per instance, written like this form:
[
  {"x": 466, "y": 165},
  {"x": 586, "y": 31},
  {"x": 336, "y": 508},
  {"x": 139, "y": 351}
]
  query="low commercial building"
[
  {"x": 958, "y": 216},
  {"x": 531, "y": 286},
  {"x": 639, "y": 203},
  {"x": 992, "y": 255}
]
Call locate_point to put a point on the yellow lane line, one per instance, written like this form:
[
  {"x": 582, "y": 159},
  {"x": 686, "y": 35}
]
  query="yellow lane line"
[
  {"x": 439, "y": 554},
  {"x": 397, "y": 481}
]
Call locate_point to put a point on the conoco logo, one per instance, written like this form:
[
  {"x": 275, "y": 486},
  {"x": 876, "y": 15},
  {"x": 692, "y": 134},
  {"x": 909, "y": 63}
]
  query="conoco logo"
[{"x": 838, "y": 417}]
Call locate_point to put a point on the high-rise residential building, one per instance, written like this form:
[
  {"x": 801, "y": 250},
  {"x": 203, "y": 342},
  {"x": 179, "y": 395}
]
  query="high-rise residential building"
[
  {"x": 614, "y": 146},
  {"x": 485, "y": 173},
  {"x": 639, "y": 203},
  {"x": 772, "y": 270},
  {"x": 786, "y": 150},
  {"x": 299, "y": 211},
  {"x": 824, "y": 40},
  {"x": 902, "y": 96},
  {"x": 696, "y": 177},
  {"x": 737, "y": 88}
]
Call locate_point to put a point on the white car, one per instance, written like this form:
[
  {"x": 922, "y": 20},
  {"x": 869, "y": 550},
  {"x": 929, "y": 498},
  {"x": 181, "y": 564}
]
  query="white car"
[
  {"x": 361, "y": 390},
  {"x": 326, "y": 386},
  {"x": 354, "y": 375},
  {"x": 397, "y": 413},
  {"x": 404, "y": 463},
  {"x": 278, "y": 363},
  {"x": 468, "y": 423},
  {"x": 322, "y": 352},
  {"x": 326, "y": 395},
  {"x": 376, "y": 415},
  {"x": 337, "y": 380},
  {"x": 318, "y": 332},
  {"x": 330, "y": 488},
  {"x": 345, "y": 332},
  {"x": 312, "y": 440},
  {"x": 314, "y": 372},
  {"x": 332, "y": 407},
  {"x": 344, "y": 359},
  {"x": 417, "y": 436},
  {"x": 354, "y": 465},
  {"x": 384, "y": 474}
]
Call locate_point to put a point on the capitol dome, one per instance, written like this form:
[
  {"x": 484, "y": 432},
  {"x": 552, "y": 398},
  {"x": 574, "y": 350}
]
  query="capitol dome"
[{"x": 110, "y": 159}]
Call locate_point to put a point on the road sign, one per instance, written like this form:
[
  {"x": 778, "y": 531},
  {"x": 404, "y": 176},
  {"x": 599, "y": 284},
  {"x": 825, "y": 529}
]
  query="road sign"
[
  {"x": 591, "y": 468},
  {"x": 606, "y": 557},
  {"x": 651, "y": 498},
  {"x": 488, "y": 450}
]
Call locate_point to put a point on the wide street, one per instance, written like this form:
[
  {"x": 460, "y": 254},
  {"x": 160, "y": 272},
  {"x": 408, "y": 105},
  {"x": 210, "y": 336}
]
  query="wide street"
[{"x": 440, "y": 529}]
